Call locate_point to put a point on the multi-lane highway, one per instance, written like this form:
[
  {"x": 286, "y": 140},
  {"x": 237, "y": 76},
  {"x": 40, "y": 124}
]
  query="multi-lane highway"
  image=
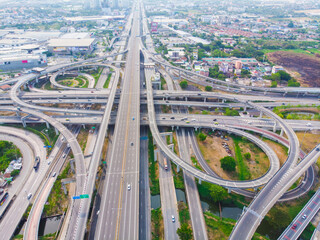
[{"x": 118, "y": 218}]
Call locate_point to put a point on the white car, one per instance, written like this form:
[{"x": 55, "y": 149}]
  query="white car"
[
  {"x": 173, "y": 219},
  {"x": 129, "y": 187}
]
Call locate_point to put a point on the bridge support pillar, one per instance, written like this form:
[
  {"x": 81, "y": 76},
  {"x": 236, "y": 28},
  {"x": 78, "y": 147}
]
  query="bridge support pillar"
[
  {"x": 275, "y": 127},
  {"x": 229, "y": 190},
  {"x": 200, "y": 181},
  {"x": 245, "y": 107},
  {"x": 171, "y": 146},
  {"x": 186, "y": 99},
  {"x": 255, "y": 189},
  {"x": 64, "y": 189},
  {"x": 18, "y": 114},
  {"x": 72, "y": 165},
  {"x": 37, "y": 79},
  {"x": 172, "y": 127},
  {"x": 178, "y": 168},
  {"x": 196, "y": 128},
  {"x": 260, "y": 116},
  {"x": 47, "y": 125},
  {"x": 281, "y": 132},
  {"x": 177, "y": 127},
  {"x": 205, "y": 99},
  {"x": 57, "y": 132},
  {"x": 24, "y": 123},
  {"x": 156, "y": 151},
  {"x": 84, "y": 126},
  {"x": 223, "y": 100}
]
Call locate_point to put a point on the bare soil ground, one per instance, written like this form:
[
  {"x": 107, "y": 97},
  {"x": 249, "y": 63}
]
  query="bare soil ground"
[
  {"x": 308, "y": 67},
  {"x": 213, "y": 150},
  {"x": 279, "y": 150}
]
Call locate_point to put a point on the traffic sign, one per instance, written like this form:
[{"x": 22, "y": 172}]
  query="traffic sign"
[
  {"x": 76, "y": 197},
  {"x": 84, "y": 196},
  {"x": 104, "y": 162}
]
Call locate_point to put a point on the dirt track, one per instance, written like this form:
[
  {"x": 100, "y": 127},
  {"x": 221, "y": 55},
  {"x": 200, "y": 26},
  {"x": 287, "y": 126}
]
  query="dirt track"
[{"x": 307, "y": 66}]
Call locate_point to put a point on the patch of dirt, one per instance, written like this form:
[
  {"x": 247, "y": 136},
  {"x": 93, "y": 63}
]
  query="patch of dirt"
[
  {"x": 213, "y": 150},
  {"x": 279, "y": 150},
  {"x": 309, "y": 71},
  {"x": 308, "y": 140}
]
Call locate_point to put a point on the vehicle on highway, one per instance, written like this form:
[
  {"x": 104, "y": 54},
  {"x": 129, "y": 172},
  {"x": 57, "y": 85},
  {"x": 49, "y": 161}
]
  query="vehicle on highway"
[
  {"x": 294, "y": 226},
  {"x": 64, "y": 155},
  {"x": 173, "y": 219},
  {"x": 216, "y": 123},
  {"x": 36, "y": 163},
  {"x": 215, "y": 120},
  {"x": 67, "y": 119},
  {"x": 165, "y": 164},
  {"x": 129, "y": 187},
  {"x": 92, "y": 91},
  {"x": 163, "y": 118},
  {"x": 4, "y": 198},
  {"x": 133, "y": 118},
  {"x": 29, "y": 196},
  {"x": 131, "y": 143},
  {"x": 187, "y": 121},
  {"x": 172, "y": 118},
  {"x": 304, "y": 216},
  {"x": 193, "y": 120},
  {"x": 54, "y": 174},
  {"x": 308, "y": 124},
  {"x": 19, "y": 108}
]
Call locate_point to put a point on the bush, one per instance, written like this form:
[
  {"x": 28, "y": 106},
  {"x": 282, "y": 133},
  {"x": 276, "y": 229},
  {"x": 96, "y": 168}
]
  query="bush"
[
  {"x": 208, "y": 88},
  {"x": 184, "y": 84},
  {"x": 247, "y": 156},
  {"x": 185, "y": 232},
  {"x": 202, "y": 136},
  {"x": 228, "y": 164}
]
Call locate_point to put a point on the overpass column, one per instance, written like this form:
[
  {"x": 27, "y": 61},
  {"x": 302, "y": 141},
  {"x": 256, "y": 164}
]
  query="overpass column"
[
  {"x": 229, "y": 190},
  {"x": 186, "y": 99},
  {"x": 281, "y": 132},
  {"x": 156, "y": 154},
  {"x": 72, "y": 165},
  {"x": 84, "y": 126},
  {"x": 275, "y": 127},
  {"x": 178, "y": 168},
  {"x": 172, "y": 127},
  {"x": 57, "y": 132},
  {"x": 205, "y": 99},
  {"x": 260, "y": 116},
  {"x": 47, "y": 124},
  {"x": 24, "y": 123},
  {"x": 245, "y": 107},
  {"x": 223, "y": 100},
  {"x": 200, "y": 181}
]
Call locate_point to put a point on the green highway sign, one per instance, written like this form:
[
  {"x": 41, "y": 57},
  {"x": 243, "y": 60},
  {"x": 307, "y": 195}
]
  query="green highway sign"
[{"x": 84, "y": 196}]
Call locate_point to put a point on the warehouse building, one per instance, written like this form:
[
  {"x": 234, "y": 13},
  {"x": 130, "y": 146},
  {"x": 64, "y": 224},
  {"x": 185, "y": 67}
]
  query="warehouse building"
[
  {"x": 19, "y": 62},
  {"x": 65, "y": 46}
]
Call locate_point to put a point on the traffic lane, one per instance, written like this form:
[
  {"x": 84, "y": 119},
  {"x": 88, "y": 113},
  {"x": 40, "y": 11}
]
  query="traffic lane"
[{"x": 298, "y": 226}]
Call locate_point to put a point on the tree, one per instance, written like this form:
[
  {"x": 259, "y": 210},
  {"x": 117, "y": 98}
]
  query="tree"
[
  {"x": 290, "y": 25},
  {"x": 293, "y": 83},
  {"x": 217, "y": 193},
  {"x": 184, "y": 84},
  {"x": 284, "y": 75},
  {"x": 184, "y": 232},
  {"x": 15, "y": 173},
  {"x": 274, "y": 84},
  {"x": 202, "y": 136},
  {"x": 247, "y": 156},
  {"x": 228, "y": 164},
  {"x": 208, "y": 88}
]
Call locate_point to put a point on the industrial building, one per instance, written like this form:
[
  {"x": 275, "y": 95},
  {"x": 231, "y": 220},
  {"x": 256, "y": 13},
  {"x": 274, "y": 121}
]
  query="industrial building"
[
  {"x": 66, "y": 46},
  {"x": 19, "y": 62}
]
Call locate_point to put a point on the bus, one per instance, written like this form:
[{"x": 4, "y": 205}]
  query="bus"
[
  {"x": 165, "y": 164},
  {"x": 4, "y": 198}
]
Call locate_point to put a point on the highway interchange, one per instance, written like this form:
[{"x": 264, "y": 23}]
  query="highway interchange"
[{"x": 130, "y": 106}]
